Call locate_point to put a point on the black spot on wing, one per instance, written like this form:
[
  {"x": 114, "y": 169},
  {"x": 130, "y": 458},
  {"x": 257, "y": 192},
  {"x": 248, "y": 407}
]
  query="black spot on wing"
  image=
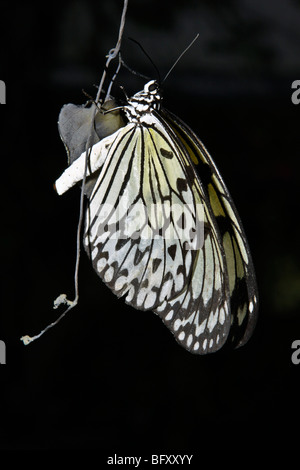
[
  {"x": 138, "y": 256},
  {"x": 238, "y": 299},
  {"x": 172, "y": 251},
  {"x": 120, "y": 243},
  {"x": 180, "y": 270},
  {"x": 145, "y": 283},
  {"x": 166, "y": 153},
  {"x": 205, "y": 173},
  {"x": 156, "y": 262},
  {"x": 224, "y": 224},
  {"x": 181, "y": 185}
]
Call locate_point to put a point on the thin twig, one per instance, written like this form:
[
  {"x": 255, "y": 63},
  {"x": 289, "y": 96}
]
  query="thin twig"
[
  {"x": 115, "y": 51},
  {"x": 62, "y": 299},
  {"x": 113, "y": 78}
]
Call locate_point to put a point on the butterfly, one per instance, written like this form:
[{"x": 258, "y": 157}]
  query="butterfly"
[{"x": 161, "y": 228}]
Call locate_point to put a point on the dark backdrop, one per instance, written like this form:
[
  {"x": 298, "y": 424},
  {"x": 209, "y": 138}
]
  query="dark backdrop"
[{"x": 108, "y": 377}]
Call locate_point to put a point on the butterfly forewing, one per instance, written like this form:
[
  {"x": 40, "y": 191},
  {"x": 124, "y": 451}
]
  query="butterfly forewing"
[
  {"x": 242, "y": 282},
  {"x": 137, "y": 245},
  {"x": 199, "y": 317}
]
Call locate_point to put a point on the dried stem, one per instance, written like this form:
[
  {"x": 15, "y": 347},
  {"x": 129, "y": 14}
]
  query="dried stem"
[{"x": 62, "y": 299}]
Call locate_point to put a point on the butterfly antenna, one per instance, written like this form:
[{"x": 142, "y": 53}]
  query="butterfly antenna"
[
  {"x": 148, "y": 56},
  {"x": 182, "y": 54},
  {"x": 134, "y": 72}
]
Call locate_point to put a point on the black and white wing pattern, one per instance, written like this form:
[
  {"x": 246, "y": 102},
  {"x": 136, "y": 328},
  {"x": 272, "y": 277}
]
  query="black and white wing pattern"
[
  {"x": 241, "y": 275},
  {"x": 154, "y": 230}
]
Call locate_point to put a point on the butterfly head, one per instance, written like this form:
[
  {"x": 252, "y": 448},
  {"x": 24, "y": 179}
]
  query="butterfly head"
[
  {"x": 152, "y": 89},
  {"x": 141, "y": 105}
]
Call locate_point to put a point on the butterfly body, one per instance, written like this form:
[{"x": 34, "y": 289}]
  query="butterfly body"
[{"x": 165, "y": 236}]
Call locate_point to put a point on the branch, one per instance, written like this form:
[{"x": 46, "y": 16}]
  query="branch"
[{"x": 62, "y": 298}]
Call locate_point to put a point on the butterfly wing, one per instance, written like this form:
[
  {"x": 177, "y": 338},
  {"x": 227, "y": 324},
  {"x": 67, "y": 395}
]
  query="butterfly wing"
[
  {"x": 242, "y": 281},
  {"x": 147, "y": 190}
]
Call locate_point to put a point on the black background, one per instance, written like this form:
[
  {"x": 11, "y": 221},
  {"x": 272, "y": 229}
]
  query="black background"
[{"x": 108, "y": 377}]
